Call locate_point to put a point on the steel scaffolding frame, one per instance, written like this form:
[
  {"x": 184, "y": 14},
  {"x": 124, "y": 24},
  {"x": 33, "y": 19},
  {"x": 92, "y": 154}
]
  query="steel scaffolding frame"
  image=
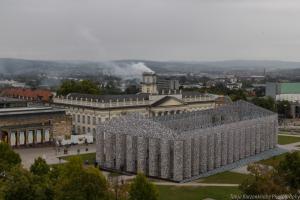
[{"x": 184, "y": 146}]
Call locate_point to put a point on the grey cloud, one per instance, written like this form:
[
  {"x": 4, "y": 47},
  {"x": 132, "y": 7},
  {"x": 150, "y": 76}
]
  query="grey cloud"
[{"x": 156, "y": 29}]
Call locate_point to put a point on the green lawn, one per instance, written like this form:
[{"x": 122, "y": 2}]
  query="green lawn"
[
  {"x": 226, "y": 177},
  {"x": 195, "y": 193},
  {"x": 282, "y": 139},
  {"x": 274, "y": 161},
  {"x": 90, "y": 157}
]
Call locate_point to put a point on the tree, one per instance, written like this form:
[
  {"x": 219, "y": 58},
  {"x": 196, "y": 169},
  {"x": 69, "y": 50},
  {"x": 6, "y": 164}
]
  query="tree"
[
  {"x": 8, "y": 158},
  {"x": 95, "y": 184},
  {"x": 262, "y": 182},
  {"x": 259, "y": 91},
  {"x": 132, "y": 89},
  {"x": 267, "y": 103},
  {"x": 88, "y": 87},
  {"x": 68, "y": 86},
  {"x": 17, "y": 185},
  {"x": 221, "y": 89},
  {"x": 40, "y": 167},
  {"x": 118, "y": 187},
  {"x": 54, "y": 173},
  {"x": 20, "y": 184},
  {"x": 111, "y": 88},
  {"x": 237, "y": 95},
  {"x": 282, "y": 179},
  {"x": 142, "y": 189},
  {"x": 283, "y": 108},
  {"x": 85, "y": 87},
  {"x": 77, "y": 183},
  {"x": 289, "y": 170}
]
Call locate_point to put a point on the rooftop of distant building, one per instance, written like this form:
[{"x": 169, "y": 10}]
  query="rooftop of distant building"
[
  {"x": 139, "y": 96},
  {"x": 28, "y": 110},
  {"x": 9, "y": 99},
  {"x": 27, "y": 93}
]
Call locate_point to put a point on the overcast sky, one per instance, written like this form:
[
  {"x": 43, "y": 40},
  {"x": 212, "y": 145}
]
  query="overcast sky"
[{"x": 187, "y": 30}]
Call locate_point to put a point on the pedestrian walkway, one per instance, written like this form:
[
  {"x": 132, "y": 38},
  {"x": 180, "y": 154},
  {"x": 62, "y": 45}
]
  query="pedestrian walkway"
[
  {"x": 290, "y": 135},
  {"x": 291, "y": 147},
  {"x": 196, "y": 184}
]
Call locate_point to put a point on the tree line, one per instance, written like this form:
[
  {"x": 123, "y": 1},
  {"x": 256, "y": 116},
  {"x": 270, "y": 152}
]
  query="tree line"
[
  {"x": 281, "y": 107},
  {"x": 91, "y": 87},
  {"x": 68, "y": 181}
]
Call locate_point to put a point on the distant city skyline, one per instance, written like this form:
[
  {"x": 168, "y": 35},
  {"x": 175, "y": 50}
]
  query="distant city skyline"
[{"x": 165, "y": 30}]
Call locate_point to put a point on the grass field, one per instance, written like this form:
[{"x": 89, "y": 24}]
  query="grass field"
[
  {"x": 90, "y": 157},
  {"x": 282, "y": 139},
  {"x": 274, "y": 161},
  {"x": 195, "y": 193},
  {"x": 226, "y": 177}
]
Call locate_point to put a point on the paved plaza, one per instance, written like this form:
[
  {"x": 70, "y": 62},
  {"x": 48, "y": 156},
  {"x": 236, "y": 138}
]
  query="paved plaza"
[{"x": 51, "y": 154}]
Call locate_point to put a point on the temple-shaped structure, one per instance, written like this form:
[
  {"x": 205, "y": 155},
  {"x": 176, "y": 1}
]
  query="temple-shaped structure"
[{"x": 185, "y": 146}]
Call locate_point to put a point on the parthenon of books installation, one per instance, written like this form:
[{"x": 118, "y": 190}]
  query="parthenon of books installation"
[{"x": 185, "y": 146}]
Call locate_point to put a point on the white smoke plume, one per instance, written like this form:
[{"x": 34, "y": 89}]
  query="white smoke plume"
[
  {"x": 129, "y": 71},
  {"x": 140, "y": 68}
]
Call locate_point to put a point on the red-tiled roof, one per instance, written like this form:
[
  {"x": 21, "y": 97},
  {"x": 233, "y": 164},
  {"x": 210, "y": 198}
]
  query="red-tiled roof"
[{"x": 31, "y": 94}]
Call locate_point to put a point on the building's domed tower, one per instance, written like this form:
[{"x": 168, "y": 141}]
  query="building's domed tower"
[{"x": 149, "y": 83}]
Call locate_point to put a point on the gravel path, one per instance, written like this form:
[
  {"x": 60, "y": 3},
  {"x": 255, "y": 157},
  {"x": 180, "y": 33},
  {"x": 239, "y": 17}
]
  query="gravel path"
[
  {"x": 290, "y": 147},
  {"x": 290, "y": 135}
]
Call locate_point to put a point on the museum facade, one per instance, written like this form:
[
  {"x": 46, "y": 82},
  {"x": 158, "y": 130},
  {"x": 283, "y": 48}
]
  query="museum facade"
[{"x": 88, "y": 111}]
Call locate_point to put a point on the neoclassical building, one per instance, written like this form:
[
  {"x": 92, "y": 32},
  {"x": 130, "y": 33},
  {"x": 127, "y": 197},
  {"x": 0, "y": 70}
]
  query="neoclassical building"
[
  {"x": 187, "y": 145},
  {"x": 22, "y": 125},
  {"x": 159, "y": 96},
  {"x": 88, "y": 111}
]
